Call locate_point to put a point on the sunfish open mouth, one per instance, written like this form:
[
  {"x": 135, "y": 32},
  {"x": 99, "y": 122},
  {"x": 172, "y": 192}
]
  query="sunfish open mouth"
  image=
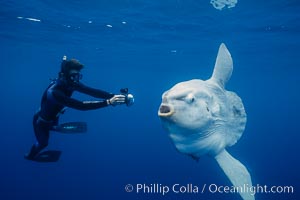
[{"x": 165, "y": 110}]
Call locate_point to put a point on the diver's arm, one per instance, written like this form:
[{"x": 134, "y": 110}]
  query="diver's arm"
[
  {"x": 80, "y": 105},
  {"x": 93, "y": 92}
]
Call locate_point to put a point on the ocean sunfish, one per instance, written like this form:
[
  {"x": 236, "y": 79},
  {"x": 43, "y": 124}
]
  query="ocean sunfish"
[{"x": 203, "y": 118}]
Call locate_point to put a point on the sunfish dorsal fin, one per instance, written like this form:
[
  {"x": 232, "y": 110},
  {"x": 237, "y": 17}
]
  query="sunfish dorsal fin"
[
  {"x": 236, "y": 172},
  {"x": 223, "y": 67}
]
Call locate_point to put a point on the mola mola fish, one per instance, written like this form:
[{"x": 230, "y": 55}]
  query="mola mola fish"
[{"x": 203, "y": 118}]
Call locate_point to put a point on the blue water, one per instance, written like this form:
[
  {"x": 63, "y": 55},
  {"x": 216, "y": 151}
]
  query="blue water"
[{"x": 147, "y": 46}]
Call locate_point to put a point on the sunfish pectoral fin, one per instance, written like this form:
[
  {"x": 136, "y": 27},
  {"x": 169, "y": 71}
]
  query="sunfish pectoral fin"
[
  {"x": 223, "y": 66},
  {"x": 237, "y": 174}
]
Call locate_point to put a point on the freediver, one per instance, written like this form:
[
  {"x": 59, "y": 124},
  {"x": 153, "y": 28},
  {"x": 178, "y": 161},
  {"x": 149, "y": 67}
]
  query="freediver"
[{"x": 57, "y": 97}]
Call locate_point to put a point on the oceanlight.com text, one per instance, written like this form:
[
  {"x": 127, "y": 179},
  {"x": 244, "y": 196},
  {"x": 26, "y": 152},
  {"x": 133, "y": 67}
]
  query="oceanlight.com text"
[{"x": 213, "y": 188}]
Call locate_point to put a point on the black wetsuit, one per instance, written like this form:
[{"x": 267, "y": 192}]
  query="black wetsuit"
[{"x": 55, "y": 98}]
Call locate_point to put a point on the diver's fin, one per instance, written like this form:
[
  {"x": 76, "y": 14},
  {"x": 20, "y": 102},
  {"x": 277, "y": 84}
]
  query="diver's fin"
[
  {"x": 71, "y": 127},
  {"x": 48, "y": 156},
  {"x": 236, "y": 172}
]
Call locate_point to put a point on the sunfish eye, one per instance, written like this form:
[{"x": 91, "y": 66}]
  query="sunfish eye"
[{"x": 190, "y": 98}]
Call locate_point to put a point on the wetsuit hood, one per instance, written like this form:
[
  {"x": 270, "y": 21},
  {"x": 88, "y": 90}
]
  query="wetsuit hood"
[
  {"x": 67, "y": 71},
  {"x": 68, "y": 65}
]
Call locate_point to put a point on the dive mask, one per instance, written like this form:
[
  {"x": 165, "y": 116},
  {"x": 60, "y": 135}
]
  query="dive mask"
[{"x": 75, "y": 77}]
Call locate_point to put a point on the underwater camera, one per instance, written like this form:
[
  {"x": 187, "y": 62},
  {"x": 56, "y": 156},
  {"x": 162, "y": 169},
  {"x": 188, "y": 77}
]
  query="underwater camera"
[{"x": 129, "y": 99}]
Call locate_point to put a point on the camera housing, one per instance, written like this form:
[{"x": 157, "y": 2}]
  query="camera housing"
[{"x": 129, "y": 99}]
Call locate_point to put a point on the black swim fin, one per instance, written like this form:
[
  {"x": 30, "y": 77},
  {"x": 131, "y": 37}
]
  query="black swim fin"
[{"x": 71, "y": 127}]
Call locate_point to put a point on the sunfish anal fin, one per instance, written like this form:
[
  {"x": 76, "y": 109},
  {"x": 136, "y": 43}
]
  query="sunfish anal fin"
[{"x": 237, "y": 173}]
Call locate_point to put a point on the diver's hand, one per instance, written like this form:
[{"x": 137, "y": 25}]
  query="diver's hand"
[{"x": 116, "y": 100}]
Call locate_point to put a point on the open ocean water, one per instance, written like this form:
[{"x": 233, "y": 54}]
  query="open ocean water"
[{"x": 147, "y": 46}]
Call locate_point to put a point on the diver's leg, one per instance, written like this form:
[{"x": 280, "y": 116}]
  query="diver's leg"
[
  {"x": 41, "y": 131},
  {"x": 33, "y": 152}
]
